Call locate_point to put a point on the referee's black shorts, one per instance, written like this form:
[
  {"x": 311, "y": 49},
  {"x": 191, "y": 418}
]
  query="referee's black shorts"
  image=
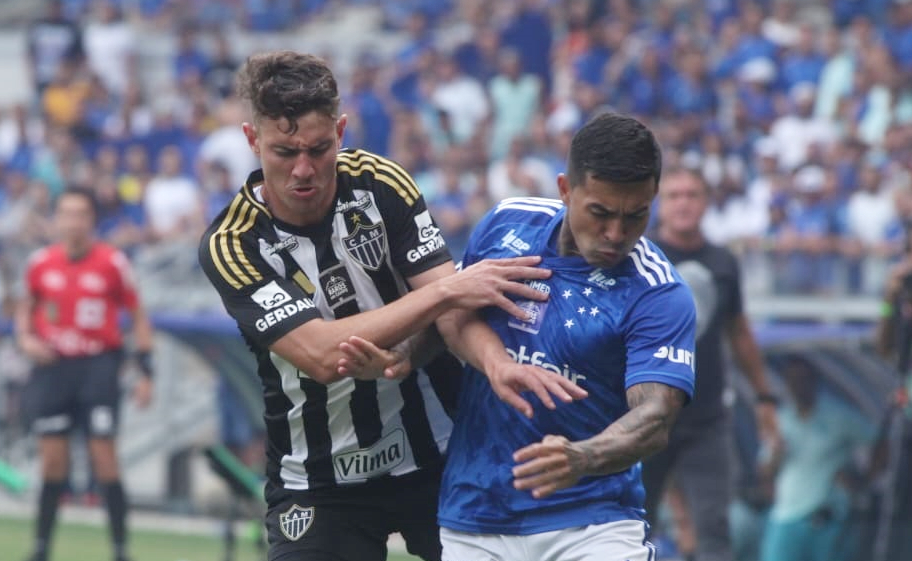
[
  {"x": 352, "y": 523},
  {"x": 77, "y": 392}
]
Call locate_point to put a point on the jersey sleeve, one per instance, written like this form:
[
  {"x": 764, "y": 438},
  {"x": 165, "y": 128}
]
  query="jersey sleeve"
[
  {"x": 265, "y": 305},
  {"x": 659, "y": 337},
  {"x": 125, "y": 280},
  {"x": 415, "y": 242}
]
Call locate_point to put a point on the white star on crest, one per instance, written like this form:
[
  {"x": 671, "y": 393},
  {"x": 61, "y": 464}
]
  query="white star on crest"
[
  {"x": 587, "y": 291},
  {"x": 593, "y": 311},
  {"x": 567, "y": 294},
  {"x": 581, "y": 310},
  {"x": 568, "y": 323}
]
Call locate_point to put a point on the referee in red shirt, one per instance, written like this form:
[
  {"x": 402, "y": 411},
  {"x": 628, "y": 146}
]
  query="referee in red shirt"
[{"x": 68, "y": 325}]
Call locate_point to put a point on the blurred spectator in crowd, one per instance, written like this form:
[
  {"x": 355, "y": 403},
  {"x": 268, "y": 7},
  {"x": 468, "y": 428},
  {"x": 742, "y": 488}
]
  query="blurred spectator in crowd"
[
  {"x": 870, "y": 213},
  {"x": 460, "y": 99},
  {"x": 218, "y": 188},
  {"x": 369, "y": 120},
  {"x": 528, "y": 30},
  {"x": 52, "y": 40},
  {"x": 227, "y": 144},
  {"x": 796, "y": 132},
  {"x": 802, "y": 61},
  {"x": 119, "y": 223},
  {"x": 64, "y": 96},
  {"x": 110, "y": 45},
  {"x": 520, "y": 174},
  {"x": 190, "y": 62},
  {"x": 219, "y": 76},
  {"x": 810, "y": 518},
  {"x": 172, "y": 202},
  {"x": 515, "y": 98}
]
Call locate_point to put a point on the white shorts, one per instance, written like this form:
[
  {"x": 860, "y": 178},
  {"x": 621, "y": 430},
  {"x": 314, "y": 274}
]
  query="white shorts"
[{"x": 614, "y": 541}]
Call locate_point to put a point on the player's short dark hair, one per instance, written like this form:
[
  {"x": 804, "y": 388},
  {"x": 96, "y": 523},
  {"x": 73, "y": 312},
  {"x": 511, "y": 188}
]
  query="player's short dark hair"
[
  {"x": 287, "y": 84},
  {"x": 616, "y": 148},
  {"x": 84, "y": 192}
]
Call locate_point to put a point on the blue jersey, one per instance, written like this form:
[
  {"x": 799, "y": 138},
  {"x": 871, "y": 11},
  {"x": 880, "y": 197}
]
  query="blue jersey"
[{"x": 605, "y": 329}]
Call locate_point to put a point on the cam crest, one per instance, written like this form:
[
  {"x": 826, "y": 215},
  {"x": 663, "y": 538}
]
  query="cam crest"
[
  {"x": 295, "y": 521},
  {"x": 367, "y": 245}
]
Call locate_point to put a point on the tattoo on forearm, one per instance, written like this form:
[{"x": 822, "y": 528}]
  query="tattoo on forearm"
[{"x": 639, "y": 433}]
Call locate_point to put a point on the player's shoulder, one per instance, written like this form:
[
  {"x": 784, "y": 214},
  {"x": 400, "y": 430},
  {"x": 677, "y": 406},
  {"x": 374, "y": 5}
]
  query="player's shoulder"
[
  {"x": 649, "y": 267},
  {"x": 527, "y": 209},
  {"x": 45, "y": 255},
  {"x": 243, "y": 217},
  {"x": 357, "y": 168}
]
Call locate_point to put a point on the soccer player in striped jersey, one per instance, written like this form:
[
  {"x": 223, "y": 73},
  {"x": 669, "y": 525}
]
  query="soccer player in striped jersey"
[
  {"x": 565, "y": 483},
  {"x": 321, "y": 245}
]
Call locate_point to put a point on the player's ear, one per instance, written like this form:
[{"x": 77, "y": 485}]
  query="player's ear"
[
  {"x": 252, "y": 139},
  {"x": 563, "y": 187},
  {"x": 340, "y": 126}
]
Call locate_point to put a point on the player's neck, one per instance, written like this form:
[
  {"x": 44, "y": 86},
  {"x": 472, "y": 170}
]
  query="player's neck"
[
  {"x": 77, "y": 249},
  {"x": 680, "y": 239}
]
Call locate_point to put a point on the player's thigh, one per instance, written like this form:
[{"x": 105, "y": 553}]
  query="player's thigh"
[
  {"x": 623, "y": 540},
  {"x": 413, "y": 511},
  {"x": 99, "y": 396},
  {"x": 299, "y": 529},
  {"x": 53, "y": 396},
  {"x": 468, "y": 546}
]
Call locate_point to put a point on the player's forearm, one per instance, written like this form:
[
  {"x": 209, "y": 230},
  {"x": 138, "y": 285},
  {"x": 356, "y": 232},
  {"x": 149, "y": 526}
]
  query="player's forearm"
[
  {"x": 142, "y": 330},
  {"x": 471, "y": 339},
  {"x": 747, "y": 355},
  {"x": 314, "y": 347},
  {"x": 641, "y": 432}
]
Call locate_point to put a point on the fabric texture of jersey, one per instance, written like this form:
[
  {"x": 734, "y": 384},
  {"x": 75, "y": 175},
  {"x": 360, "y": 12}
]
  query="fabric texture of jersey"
[
  {"x": 605, "y": 329},
  {"x": 274, "y": 277},
  {"x": 77, "y": 301}
]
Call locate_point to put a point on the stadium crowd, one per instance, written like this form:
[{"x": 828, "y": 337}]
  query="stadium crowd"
[{"x": 802, "y": 134}]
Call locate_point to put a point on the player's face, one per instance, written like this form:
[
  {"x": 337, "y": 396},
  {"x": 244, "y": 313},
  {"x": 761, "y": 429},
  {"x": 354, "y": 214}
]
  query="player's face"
[
  {"x": 299, "y": 169},
  {"x": 74, "y": 219},
  {"x": 604, "y": 219},
  {"x": 682, "y": 202}
]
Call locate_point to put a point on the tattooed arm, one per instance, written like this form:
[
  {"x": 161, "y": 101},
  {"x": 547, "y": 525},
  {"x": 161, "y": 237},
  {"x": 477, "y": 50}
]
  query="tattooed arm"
[{"x": 557, "y": 463}]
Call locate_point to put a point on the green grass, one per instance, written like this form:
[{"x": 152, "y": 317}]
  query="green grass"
[{"x": 79, "y": 542}]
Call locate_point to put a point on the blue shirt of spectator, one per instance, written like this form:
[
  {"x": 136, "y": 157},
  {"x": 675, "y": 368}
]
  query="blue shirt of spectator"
[
  {"x": 530, "y": 34},
  {"x": 374, "y": 120},
  {"x": 690, "y": 97},
  {"x": 797, "y": 68}
]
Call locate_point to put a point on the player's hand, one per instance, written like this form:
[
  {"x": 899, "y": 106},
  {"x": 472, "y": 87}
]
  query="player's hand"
[
  {"x": 509, "y": 379},
  {"x": 142, "y": 392},
  {"x": 37, "y": 350},
  {"x": 550, "y": 465},
  {"x": 364, "y": 360},
  {"x": 487, "y": 283},
  {"x": 768, "y": 426}
]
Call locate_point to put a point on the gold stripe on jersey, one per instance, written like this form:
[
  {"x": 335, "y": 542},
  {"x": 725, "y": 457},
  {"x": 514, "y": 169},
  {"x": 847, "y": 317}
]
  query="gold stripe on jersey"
[
  {"x": 395, "y": 170},
  {"x": 384, "y": 171},
  {"x": 229, "y": 231},
  {"x": 248, "y": 194},
  {"x": 301, "y": 279}
]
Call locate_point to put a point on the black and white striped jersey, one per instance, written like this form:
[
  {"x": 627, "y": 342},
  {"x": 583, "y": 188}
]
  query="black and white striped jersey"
[{"x": 273, "y": 277}]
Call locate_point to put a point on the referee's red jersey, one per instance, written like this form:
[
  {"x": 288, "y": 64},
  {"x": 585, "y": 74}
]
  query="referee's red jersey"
[{"x": 77, "y": 301}]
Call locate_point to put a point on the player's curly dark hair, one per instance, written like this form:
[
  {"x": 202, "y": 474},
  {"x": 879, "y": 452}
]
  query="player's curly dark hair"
[
  {"x": 286, "y": 84},
  {"x": 616, "y": 148}
]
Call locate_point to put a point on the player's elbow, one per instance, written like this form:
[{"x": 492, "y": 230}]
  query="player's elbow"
[{"x": 311, "y": 360}]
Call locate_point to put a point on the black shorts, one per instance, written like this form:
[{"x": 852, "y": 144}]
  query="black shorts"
[
  {"x": 77, "y": 392},
  {"x": 353, "y": 523}
]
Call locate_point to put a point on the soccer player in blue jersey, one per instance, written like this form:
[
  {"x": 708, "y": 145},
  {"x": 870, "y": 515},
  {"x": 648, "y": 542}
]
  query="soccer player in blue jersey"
[{"x": 564, "y": 483}]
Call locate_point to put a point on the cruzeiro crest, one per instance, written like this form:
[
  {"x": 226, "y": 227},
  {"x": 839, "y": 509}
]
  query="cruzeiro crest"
[
  {"x": 367, "y": 245},
  {"x": 295, "y": 521}
]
